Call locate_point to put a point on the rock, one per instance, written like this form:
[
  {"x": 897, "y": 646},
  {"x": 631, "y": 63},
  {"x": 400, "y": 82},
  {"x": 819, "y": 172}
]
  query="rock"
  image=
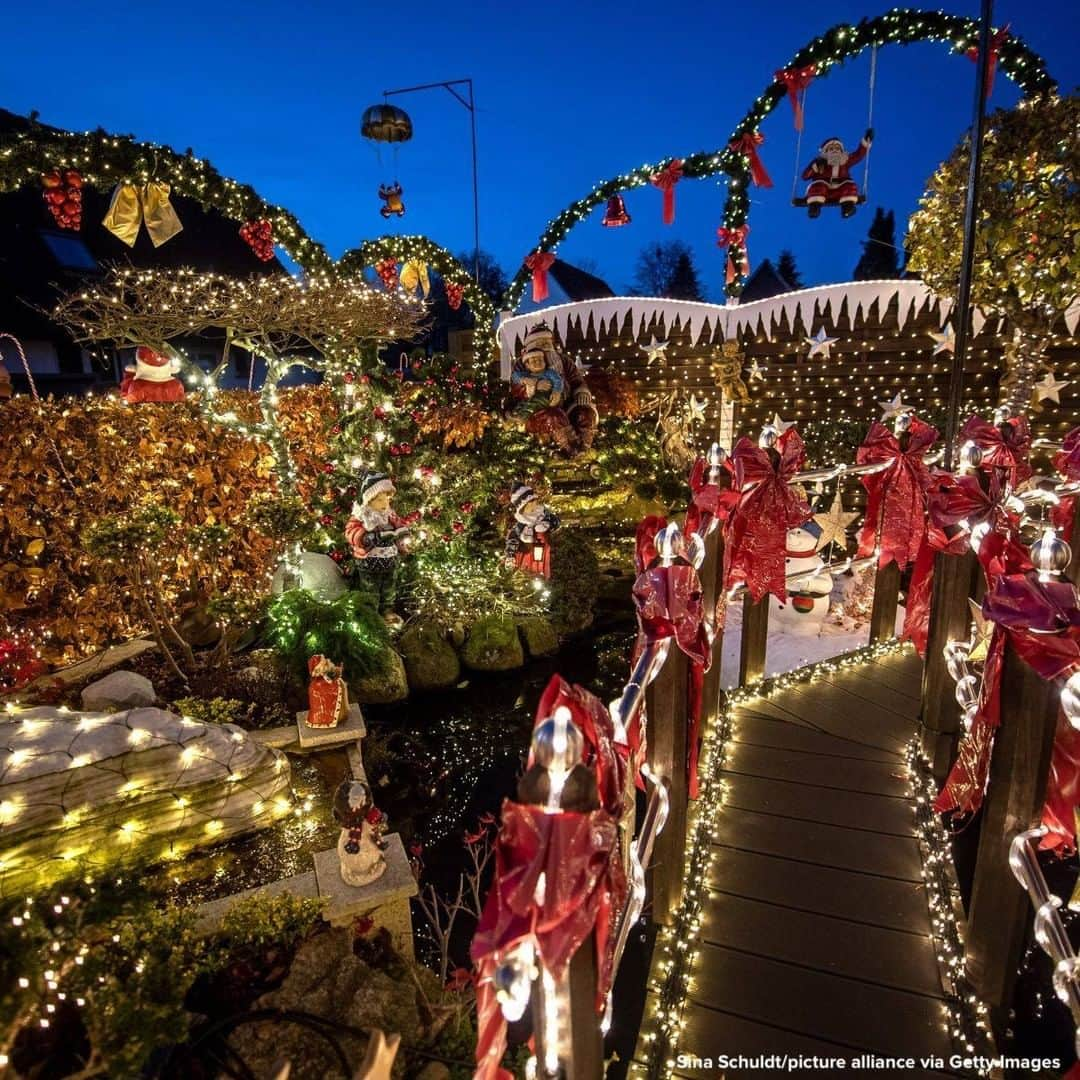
[
  {"x": 538, "y": 636},
  {"x": 83, "y": 791},
  {"x": 326, "y": 978},
  {"x": 434, "y": 1070},
  {"x": 493, "y": 645},
  {"x": 430, "y": 660},
  {"x": 118, "y": 690},
  {"x": 319, "y": 574},
  {"x": 387, "y": 686}
]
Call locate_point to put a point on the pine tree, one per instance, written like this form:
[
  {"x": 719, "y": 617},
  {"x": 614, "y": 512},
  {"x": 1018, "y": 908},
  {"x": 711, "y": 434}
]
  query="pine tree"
[
  {"x": 666, "y": 269},
  {"x": 880, "y": 257},
  {"x": 786, "y": 268},
  {"x": 684, "y": 284}
]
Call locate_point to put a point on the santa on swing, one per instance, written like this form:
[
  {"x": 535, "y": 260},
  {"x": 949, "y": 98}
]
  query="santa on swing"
[{"x": 830, "y": 176}]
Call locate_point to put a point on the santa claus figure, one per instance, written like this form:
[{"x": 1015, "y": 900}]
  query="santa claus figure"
[
  {"x": 377, "y": 536},
  {"x": 807, "y": 595},
  {"x": 328, "y": 696},
  {"x": 830, "y": 176},
  {"x": 528, "y": 543},
  {"x": 153, "y": 378}
]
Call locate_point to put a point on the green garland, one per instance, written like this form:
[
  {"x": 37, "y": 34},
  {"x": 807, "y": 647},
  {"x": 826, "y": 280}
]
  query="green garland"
[
  {"x": 405, "y": 248},
  {"x": 901, "y": 26},
  {"x": 105, "y": 160}
]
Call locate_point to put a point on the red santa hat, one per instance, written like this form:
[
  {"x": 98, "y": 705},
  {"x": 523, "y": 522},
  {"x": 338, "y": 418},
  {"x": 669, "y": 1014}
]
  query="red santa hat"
[
  {"x": 830, "y": 141},
  {"x": 152, "y": 366}
]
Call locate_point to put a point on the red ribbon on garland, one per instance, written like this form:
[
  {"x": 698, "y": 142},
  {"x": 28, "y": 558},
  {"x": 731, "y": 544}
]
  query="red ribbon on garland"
[
  {"x": 996, "y": 41},
  {"x": 455, "y": 293},
  {"x": 734, "y": 238},
  {"x": 767, "y": 508},
  {"x": 539, "y": 262},
  {"x": 796, "y": 80},
  {"x": 1007, "y": 446},
  {"x": 895, "y": 519},
  {"x": 748, "y": 144},
  {"x": 665, "y": 180}
]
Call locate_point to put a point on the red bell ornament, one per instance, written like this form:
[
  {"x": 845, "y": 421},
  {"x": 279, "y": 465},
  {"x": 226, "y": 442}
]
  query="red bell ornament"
[{"x": 616, "y": 213}]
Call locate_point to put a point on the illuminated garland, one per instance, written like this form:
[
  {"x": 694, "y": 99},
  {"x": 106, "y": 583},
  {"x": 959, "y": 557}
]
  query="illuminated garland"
[
  {"x": 901, "y": 26},
  {"x": 105, "y": 160},
  {"x": 678, "y": 943},
  {"x": 404, "y": 249}
]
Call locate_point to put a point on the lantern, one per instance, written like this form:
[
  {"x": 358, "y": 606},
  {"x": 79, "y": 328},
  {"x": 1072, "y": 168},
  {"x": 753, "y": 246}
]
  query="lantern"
[
  {"x": 616, "y": 213},
  {"x": 386, "y": 123}
]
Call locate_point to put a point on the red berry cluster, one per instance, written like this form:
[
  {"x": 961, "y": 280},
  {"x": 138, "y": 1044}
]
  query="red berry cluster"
[
  {"x": 387, "y": 270},
  {"x": 402, "y": 450},
  {"x": 259, "y": 236},
  {"x": 63, "y": 196},
  {"x": 455, "y": 293}
]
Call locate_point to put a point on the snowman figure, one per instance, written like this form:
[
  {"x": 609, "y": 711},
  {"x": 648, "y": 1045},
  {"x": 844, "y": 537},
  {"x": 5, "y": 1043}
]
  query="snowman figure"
[
  {"x": 360, "y": 845},
  {"x": 808, "y": 597}
]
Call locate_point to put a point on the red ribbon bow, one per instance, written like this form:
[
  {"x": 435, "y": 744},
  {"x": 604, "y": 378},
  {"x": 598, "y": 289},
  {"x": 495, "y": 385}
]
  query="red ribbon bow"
[
  {"x": 734, "y": 238},
  {"x": 1004, "y": 447},
  {"x": 767, "y": 508},
  {"x": 665, "y": 180},
  {"x": 539, "y": 262},
  {"x": 794, "y": 81},
  {"x": 895, "y": 518},
  {"x": 710, "y": 502},
  {"x": 996, "y": 41},
  {"x": 748, "y": 144}
]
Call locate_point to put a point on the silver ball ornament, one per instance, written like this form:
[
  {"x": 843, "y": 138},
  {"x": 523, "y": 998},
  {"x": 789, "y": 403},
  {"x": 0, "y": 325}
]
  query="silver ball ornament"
[
  {"x": 970, "y": 457},
  {"x": 557, "y": 742},
  {"x": 1050, "y": 555},
  {"x": 1070, "y": 699}
]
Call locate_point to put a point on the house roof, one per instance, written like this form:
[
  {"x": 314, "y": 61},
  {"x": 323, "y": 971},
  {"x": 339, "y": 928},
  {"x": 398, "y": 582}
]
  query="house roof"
[
  {"x": 765, "y": 281},
  {"x": 579, "y": 284}
]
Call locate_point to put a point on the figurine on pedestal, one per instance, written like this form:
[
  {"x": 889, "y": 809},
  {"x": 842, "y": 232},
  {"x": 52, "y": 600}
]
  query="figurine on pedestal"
[
  {"x": 328, "y": 696},
  {"x": 360, "y": 845},
  {"x": 808, "y": 596},
  {"x": 377, "y": 536},
  {"x": 528, "y": 543}
]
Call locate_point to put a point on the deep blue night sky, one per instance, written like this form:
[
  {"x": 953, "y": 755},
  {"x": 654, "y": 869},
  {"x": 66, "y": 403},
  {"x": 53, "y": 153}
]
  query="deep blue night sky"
[{"x": 569, "y": 93}]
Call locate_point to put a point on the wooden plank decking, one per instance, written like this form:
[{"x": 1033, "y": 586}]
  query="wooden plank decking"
[{"x": 816, "y": 936}]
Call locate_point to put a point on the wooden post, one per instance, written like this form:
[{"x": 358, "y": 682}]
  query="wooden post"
[
  {"x": 1019, "y": 768},
  {"x": 576, "y": 1030},
  {"x": 711, "y": 573},
  {"x": 886, "y": 600},
  {"x": 665, "y": 705},
  {"x": 755, "y": 631},
  {"x": 950, "y": 616}
]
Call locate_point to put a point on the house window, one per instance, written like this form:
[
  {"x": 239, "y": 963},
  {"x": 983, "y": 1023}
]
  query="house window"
[{"x": 69, "y": 251}]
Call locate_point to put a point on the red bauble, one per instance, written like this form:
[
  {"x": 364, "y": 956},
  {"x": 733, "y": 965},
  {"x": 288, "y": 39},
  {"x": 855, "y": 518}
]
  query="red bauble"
[
  {"x": 63, "y": 196},
  {"x": 259, "y": 236},
  {"x": 455, "y": 293}
]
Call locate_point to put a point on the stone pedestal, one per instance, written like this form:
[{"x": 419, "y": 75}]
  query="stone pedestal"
[
  {"x": 319, "y": 738},
  {"x": 386, "y": 900}
]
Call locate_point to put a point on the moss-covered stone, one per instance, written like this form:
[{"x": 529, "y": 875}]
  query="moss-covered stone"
[
  {"x": 538, "y": 636},
  {"x": 383, "y": 687},
  {"x": 575, "y": 581},
  {"x": 430, "y": 660},
  {"x": 493, "y": 645}
]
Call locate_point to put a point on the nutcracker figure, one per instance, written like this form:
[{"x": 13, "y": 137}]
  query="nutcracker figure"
[
  {"x": 328, "y": 696},
  {"x": 377, "y": 537},
  {"x": 360, "y": 845},
  {"x": 528, "y": 543},
  {"x": 830, "y": 176}
]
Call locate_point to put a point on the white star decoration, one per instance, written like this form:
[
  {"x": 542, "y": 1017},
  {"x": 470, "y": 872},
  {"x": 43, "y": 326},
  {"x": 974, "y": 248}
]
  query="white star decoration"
[
  {"x": 944, "y": 339},
  {"x": 781, "y": 425},
  {"x": 582, "y": 366},
  {"x": 821, "y": 343},
  {"x": 654, "y": 350},
  {"x": 1049, "y": 388},
  {"x": 889, "y": 409},
  {"x": 756, "y": 372},
  {"x": 834, "y": 524},
  {"x": 696, "y": 408},
  {"x": 982, "y": 631}
]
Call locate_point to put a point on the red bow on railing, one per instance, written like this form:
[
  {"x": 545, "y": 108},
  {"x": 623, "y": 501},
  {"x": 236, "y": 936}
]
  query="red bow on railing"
[
  {"x": 767, "y": 508},
  {"x": 1067, "y": 463},
  {"x": 539, "y": 262},
  {"x": 1004, "y": 447},
  {"x": 796, "y": 80},
  {"x": 748, "y": 144},
  {"x": 895, "y": 519},
  {"x": 710, "y": 501},
  {"x": 665, "y": 180},
  {"x": 734, "y": 239},
  {"x": 996, "y": 41}
]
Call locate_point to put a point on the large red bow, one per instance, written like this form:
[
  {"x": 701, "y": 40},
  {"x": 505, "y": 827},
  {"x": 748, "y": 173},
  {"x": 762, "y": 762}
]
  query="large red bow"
[
  {"x": 1067, "y": 462},
  {"x": 998, "y": 39},
  {"x": 794, "y": 81},
  {"x": 734, "y": 239},
  {"x": 539, "y": 262},
  {"x": 896, "y": 497},
  {"x": 710, "y": 502},
  {"x": 665, "y": 180},
  {"x": 767, "y": 508},
  {"x": 1004, "y": 447},
  {"x": 748, "y": 144}
]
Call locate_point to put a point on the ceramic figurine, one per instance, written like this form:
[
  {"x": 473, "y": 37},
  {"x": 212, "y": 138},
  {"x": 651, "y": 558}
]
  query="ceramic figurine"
[
  {"x": 528, "y": 543},
  {"x": 377, "y": 536},
  {"x": 328, "y": 696},
  {"x": 360, "y": 845},
  {"x": 808, "y": 596}
]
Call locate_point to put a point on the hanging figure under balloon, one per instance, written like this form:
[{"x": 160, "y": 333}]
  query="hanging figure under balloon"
[
  {"x": 830, "y": 178},
  {"x": 391, "y": 195}
]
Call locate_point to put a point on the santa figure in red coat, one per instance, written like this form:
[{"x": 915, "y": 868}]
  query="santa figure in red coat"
[
  {"x": 153, "y": 378},
  {"x": 830, "y": 176},
  {"x": 377, "y": 537}
]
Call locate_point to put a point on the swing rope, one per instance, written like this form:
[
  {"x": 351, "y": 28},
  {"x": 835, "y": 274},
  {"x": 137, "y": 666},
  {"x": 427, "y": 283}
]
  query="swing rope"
[
  {"x": 870, "y": 120},
  {"x": 798, "y": 150}
]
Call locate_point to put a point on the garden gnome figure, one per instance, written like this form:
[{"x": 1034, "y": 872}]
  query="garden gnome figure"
[
  {"x": 328, "y": 696},
  {"x": 528, "y": 543},
  {"x": 377, "y": 537},
  {"x": 360, "y": 845},
  {"x": 830, "y": 176}
]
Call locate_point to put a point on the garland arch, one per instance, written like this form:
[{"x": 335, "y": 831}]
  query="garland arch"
[
  {"x": 900, "y": 26},
  {"x": 404, "y": 249},
  {"x": 105, "y": 160}
]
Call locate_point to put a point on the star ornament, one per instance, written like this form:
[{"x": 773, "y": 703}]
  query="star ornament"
[
  {"x": 756, "y": 372},
  {"x": 896, "y": 407},
  {"x": 696, "y": 408},
  {"x": 981, "y": 633},
  {"x": 655, "y": 351},
  {"x": 944, "y": 341},
  {"x": 1048, "y": 388},
  {"x": 781, "y": 425},
  {"x": 821, "y": 344},
  {"x": 834, "y": 524}
]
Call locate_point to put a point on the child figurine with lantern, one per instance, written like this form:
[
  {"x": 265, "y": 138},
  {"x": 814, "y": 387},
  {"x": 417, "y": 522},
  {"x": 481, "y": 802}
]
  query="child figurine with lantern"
[
  {"x": 328, "y": 696},
  {"x": 360, "y": 845},
  {"x": 528, "y": 543},
  {"x": 378, "y": 536}
]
